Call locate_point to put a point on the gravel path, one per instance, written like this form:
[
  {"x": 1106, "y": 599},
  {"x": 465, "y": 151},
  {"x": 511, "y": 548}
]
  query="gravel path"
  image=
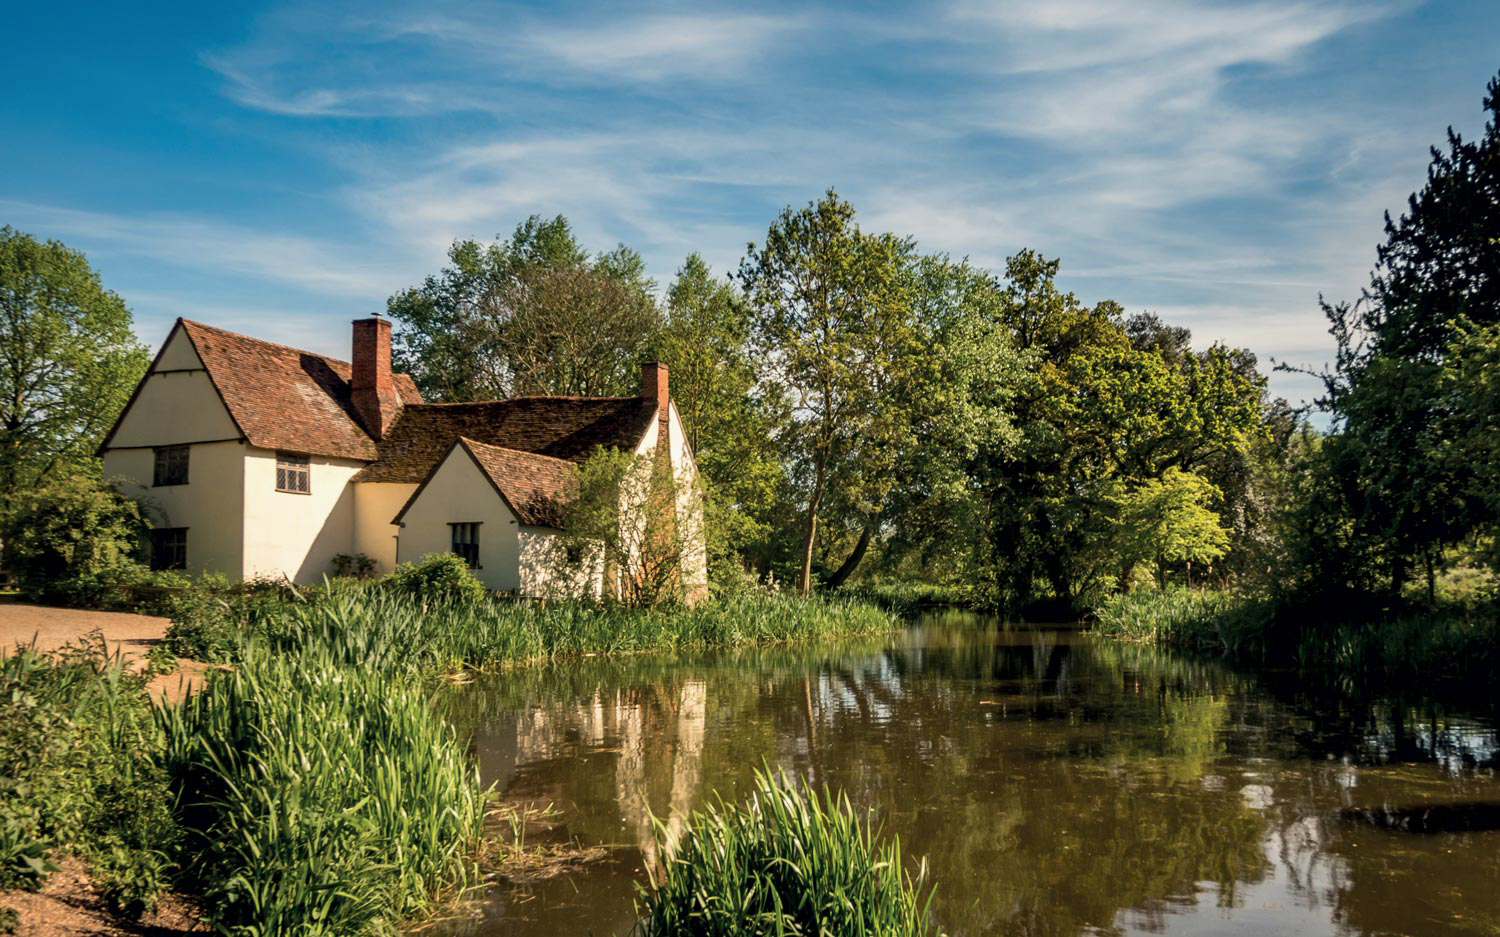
[{"x": 131, "y": 636}]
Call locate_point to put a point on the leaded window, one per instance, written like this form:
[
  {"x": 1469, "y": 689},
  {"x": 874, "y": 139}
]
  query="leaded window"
[
  {"x": 293, "y": 473},
  {"x": 171, "y": 466}
]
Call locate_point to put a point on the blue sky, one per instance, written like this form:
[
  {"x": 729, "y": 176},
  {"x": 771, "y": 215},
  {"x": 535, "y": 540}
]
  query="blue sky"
[{"x": 280, "y": 169}]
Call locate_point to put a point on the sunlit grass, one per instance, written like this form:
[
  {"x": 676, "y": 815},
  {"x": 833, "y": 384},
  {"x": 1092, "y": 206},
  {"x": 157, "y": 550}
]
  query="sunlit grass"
[{"x": 788, "y": 861}]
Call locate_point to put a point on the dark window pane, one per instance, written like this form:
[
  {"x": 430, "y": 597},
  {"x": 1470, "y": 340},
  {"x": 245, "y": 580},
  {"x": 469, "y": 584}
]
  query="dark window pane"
[
  {"x": 171, "y": 466},
  {"x": 169, "y": 548},
  {"x": 465, "y": 543}
]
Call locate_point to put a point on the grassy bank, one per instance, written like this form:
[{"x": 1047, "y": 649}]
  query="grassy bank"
[{"x": 1453, "y": 648}]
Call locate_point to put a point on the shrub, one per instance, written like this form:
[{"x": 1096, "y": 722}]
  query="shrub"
[
  {"x": 788, "y": 862},
  {"x": 71, "y": 540},
  {"x": 78, "y": 772},
  {"x": 436, "y": 577}
]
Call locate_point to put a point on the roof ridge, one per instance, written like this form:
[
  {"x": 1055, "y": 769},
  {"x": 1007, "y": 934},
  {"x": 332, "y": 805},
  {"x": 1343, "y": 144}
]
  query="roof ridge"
[
  {"x": 476, "y": 403},
  {"x": 261, "y": 341}
]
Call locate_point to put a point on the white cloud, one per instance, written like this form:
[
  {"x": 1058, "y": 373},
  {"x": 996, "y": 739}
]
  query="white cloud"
[{"x": 308, "y": 263}]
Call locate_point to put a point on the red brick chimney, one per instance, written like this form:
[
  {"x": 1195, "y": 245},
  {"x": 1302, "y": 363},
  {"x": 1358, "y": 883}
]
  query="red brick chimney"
[
  {"x": 654, "y": 387},
  {"x": 371, "y": 387}
]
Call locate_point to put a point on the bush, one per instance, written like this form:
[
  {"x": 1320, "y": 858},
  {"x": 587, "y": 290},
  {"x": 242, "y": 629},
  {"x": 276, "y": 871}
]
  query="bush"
[
  {"x": 210, "y": 616},
  {"x": 71, "y": 540},
  {"x": 436, "y": 577},
  {"x": 788, "y": 862},
  {"x": 78, "y": 772}
]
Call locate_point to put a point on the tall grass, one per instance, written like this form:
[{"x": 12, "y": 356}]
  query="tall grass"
[
  {"x": 909, "y": 598},
  {"x": 323, "y": 799},
  {"x": 787, "y": 862},
  {"x": 1194, "y": 618},
  {"x": 1453, "y": 649},
  {"x": 386, "y": 629}
]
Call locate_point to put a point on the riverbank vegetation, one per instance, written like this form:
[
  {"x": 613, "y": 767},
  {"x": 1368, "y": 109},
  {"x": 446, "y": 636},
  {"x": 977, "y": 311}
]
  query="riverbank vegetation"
[{"x": 787, "y": 861}]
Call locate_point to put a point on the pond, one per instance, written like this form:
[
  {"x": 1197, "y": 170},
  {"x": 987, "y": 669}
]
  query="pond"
[{"x": 1057, "y": 783}]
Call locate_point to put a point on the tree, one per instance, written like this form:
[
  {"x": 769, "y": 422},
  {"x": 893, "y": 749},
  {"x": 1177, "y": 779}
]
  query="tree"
[
  {"x": 633, "y": 523},
  {"x": 833, "y": 329},
  {"x": 534, "y": 315},
  {"x": 68, "y": 362},
  {"x": 1167, "y": 521},
  {"x": 728, "y": 418},
  {"x": 1437, "y": 278}
]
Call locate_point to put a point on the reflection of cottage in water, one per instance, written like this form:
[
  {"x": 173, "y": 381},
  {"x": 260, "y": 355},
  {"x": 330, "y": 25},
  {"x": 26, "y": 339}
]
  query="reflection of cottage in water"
[{"x": 652, "y": 734}]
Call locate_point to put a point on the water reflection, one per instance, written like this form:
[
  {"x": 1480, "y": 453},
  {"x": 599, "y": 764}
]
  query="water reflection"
[{"x": 1058, "y": 784}]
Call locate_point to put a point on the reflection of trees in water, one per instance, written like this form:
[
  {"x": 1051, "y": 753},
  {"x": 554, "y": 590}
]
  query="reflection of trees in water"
[{"x": 1054, "y": 783}]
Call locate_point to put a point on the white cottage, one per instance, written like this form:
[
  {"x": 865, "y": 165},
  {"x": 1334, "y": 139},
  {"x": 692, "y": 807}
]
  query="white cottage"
[{"x": 254, "y": 459}]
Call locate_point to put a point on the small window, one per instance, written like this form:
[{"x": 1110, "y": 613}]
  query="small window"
[
  {"x": 575, "y": 555},
  {"x": 466, "y": 542},
  {"x": 169, "y": 548},
  {"x": 171, "y": 465},
  {"x": 293, "y": 473}
]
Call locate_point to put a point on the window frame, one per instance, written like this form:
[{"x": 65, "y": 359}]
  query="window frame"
[
  {"x": 164, "y": 461},
  {"x": 289, "y": 464},
  {"x": 466, "y": 550},
  {"x": 179, "y": 549}
]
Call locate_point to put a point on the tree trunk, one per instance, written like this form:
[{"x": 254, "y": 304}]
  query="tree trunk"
[
  {"x": 805, "y": 584},
  {"x": 855, "y": 558}
]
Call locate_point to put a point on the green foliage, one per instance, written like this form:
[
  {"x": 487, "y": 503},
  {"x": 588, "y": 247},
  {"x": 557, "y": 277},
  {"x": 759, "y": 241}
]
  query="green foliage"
[
  {"x": 1167, "y": 521},
  {"x": 532, "y": 315},
  {"x": 69, "y": 541},
  {"x": 436, "y": 577},
  {"x": 630, "y": 521},
  {"x": 322, "y": 798},
  {"x": 1207, "y": 619},
  {"x": 70, "y": 362},
  {"x": 10, "y": 920},
  {"x": 78, "y": 773},
  {"x": 788, "y": 862},
  {"x": 1412, "y": 389},
  {"x": 211, "y": 614},
  {"x": 354, "y": 565},
  {"x": 833, "y": 320}
]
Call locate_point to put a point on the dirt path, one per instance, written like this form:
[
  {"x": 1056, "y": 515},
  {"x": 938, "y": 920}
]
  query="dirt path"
[
  {"x": 131, "y": 636},
  {"x": 69, "y": 906}
]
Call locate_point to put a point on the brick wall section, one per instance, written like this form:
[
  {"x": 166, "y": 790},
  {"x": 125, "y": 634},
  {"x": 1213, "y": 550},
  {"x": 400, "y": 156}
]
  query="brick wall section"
[{"x": 372, "y": 389}]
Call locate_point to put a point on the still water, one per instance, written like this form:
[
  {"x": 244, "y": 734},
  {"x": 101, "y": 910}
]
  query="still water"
[{"x": 1057, "y": 783}]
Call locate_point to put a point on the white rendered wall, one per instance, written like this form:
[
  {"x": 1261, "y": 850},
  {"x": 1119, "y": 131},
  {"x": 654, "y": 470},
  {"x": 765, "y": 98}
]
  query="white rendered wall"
[
  {"x": 210, "y": 505},
  {"x": 375, "y": 505},
  {"x": 297, "y": 535},
  {"x": 460, "y": 493},
  {"x": 546, "y": 573}
]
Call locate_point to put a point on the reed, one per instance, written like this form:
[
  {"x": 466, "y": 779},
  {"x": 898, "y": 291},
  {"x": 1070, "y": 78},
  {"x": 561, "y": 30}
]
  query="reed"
[
  {"x": 389, "y": 630},
  {"x": 787, "y": 862},
  {"x": 1193, "y": 618},
  {"x": 323, "y": 799}
]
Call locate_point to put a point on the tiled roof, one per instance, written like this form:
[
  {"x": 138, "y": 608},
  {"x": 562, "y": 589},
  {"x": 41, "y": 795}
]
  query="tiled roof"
[
  {"x": 568, "y": 428},
  {"x": 536, "y": 487},
  {"x": 286, "y": 398}
]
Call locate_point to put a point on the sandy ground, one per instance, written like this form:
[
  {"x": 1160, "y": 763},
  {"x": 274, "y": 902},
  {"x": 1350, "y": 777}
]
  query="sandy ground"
[
  {"x": 69, "y": 906},
  {"x": 131, "y": 636}
]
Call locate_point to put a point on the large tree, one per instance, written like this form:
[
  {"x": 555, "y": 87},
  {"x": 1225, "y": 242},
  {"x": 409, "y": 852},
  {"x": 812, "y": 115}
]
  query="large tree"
[
  {"x": 68, "y": 362},
  {"x": 535, "y": 314},
  {"x": 1435, "y": 290},
  {"x": 833, "y": 326}
]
